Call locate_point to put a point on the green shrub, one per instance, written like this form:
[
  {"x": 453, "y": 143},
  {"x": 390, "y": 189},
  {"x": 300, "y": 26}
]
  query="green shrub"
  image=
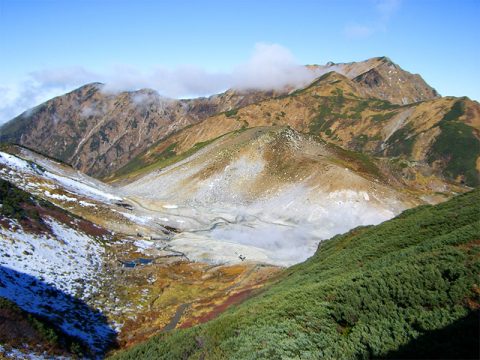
[
  {"x": 457, "y": 146},
  {"x": 401, "y": 142},
  {"x": 13, "y": 201},
  {"x": 231, "y": 112},
  {"x": 49, "y": 334},
  {"x": 383, "y": 116},
  {"x": 455, "y": 112}
]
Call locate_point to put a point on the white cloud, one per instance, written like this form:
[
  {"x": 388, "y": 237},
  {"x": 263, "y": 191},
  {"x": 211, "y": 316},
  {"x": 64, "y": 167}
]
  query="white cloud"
[
  {"x": 54, "y": 78},
  {"x": 19, "y": 97},
  {"x": 39, "y": 86},
  {"x": 88, "y": 111},
  {"x": 270, "y": 66},
  {"x": 183, "y": 81},
  {"x": 358, "y": 31},
  {"x": 384, "y": 10}
]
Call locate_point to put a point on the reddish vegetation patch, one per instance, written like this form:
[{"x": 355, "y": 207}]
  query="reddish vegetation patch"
[
  {"x": 91, "y": 229},
  {"x": 186, "y": 294},
  {"x": 30, "y": 223},
  {"x": 36, "y": 226},
  {"x": 473, "y": 304},
  {"x": 5, "y": 223},
  {"x": 470, "y": 245},
  {"x": 55, "y": 213},
  {"x": 14, "y": 329},
  {"x": 234, "y": 299}
]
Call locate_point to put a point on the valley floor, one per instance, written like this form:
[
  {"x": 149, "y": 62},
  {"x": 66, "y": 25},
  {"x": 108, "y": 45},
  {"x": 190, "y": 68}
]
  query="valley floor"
[{"x": 109, "y": 267}]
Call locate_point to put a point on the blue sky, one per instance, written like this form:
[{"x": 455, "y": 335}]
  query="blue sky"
[{"x": 48, "y": 47}]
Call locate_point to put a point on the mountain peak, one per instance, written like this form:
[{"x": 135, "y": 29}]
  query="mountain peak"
[
  {"x": 385, "y": 59},
  {"x": 380, "y": 77}
]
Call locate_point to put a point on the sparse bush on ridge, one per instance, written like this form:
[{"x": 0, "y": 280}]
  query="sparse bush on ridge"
[{"x": 231, "y": 112}]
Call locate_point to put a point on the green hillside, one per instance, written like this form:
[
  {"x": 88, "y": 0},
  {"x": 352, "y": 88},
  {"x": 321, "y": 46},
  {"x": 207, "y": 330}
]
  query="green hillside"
[{"x": 409, "y": 287}]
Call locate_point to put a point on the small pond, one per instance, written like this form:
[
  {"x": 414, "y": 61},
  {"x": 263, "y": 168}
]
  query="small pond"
[{"x": 135, "y": 262}]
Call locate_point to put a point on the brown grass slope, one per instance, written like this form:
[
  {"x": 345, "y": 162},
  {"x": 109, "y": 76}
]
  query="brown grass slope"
[
  {"x": 333, "y": 108},
  {"x": 97, "y": 132}
]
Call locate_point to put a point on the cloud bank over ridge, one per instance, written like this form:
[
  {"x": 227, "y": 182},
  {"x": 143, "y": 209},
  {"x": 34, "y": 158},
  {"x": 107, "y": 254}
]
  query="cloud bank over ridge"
[{"x": 270, "y": 66}]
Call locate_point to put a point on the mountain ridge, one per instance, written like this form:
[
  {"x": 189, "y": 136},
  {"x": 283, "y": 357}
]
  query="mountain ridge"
[
  {"x": 379, "y": 77},
  {"x": 109, "y": 127},
  {"x": 99, "y": 133},
  {"x": 331, "y": 107}
]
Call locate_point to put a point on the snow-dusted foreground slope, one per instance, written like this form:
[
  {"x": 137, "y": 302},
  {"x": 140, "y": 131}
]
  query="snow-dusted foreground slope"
[
  {"x": 68, "y": 189},
  {"x": 51, "y": 262},
  {"x": 52, "y": 274},
  {"x": 66, "y": 258},
  {"x": 66, "y": 178}
]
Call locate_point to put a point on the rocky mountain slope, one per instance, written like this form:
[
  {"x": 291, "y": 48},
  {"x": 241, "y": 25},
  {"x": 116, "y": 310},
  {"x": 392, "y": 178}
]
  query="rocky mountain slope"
[
  {"x": 269, "y": 180},
  {"x": 383, "y": 79},
  {"x": 410, "y": 135},
  {"x": 96, "y": 131},
  {"x": 99, "y": 132}
]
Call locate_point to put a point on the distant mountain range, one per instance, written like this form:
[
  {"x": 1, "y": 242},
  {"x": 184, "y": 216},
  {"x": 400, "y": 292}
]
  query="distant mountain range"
[{"x": 370, "y": 106}]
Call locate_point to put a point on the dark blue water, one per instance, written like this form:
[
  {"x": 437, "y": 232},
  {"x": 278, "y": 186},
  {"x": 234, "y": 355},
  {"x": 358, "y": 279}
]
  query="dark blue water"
[{"x": 136, "y": 262}]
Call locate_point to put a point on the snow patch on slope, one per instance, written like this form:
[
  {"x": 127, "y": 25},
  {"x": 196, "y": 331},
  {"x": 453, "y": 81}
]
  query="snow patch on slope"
[
  {"x": 68, "y": 180},
  {"x": 80, "y": 188},
  {"x": 68, "y": 259},
  {"x": 49, "y": 274},
  {"x": 22, "y": 355},
  {"x": 14, "y": 162}
]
